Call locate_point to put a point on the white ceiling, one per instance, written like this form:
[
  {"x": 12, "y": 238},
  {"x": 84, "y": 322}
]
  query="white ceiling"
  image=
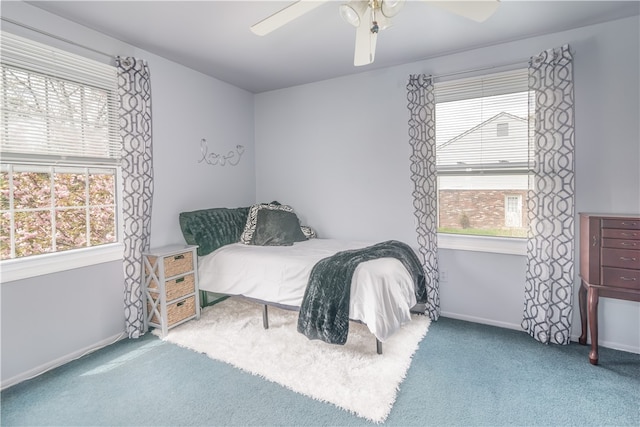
[{"x": 213, "y": 37}]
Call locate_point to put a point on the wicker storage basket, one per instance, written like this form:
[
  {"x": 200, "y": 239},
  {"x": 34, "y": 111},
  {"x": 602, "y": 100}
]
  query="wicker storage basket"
[
  {"x": 177, "y": 311},
  {"x": 174, "y": 288},
  {"x": 175, "y": 264}
]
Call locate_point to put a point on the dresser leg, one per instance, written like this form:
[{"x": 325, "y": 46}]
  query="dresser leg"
[
  {"x": 593, "y": 298},
  {"x": 582, "y": 298}
]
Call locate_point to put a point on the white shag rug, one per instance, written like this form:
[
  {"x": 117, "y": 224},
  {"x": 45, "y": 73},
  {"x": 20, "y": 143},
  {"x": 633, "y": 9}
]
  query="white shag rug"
[{"x": 352, "y": 377}]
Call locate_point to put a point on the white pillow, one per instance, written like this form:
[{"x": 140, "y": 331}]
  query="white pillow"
[{"x": 309, "y": 232}]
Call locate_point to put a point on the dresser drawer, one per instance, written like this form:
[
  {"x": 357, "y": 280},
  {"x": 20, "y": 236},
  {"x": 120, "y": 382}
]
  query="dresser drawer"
[
  {"x": 178, "y": 264},
  {"x": 621, "y": 244},
  {"x": 621, "y": 278},
  {"x": 175, "y": 264},
  {"x": 177, "y": 311},
  {"x": 176, "y": 288},
  {"x": 619, "y": 233},
  {"x": 622, "y": 258},
  {"x": 630, "y": 224}
]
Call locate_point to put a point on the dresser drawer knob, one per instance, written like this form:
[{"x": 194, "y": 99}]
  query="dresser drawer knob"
[
  {"x": 633, "y": 224},
  {"x": 180, "y": 304},
  {"x": 624, "y": 258},
  {"x": 628, "y": 279},
  {"x": 178, "y": 257},
  {"x": 627, "y": 244},
  {"x": 180, "y": 280}
]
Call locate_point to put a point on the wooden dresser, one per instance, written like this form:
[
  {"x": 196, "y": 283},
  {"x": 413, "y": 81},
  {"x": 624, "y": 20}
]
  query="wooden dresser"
[{"x": 609, "y": 266}]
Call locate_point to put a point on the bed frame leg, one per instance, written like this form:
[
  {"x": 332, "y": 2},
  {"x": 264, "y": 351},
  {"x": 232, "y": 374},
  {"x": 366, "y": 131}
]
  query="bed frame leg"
[
  {"x": 265, "y": 317},
  {"x": 378, "y": 346},
  {"x": 204, "y": 299}
]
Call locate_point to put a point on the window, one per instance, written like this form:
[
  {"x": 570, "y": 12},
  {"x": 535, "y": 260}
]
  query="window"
[
  {"x": 49, "y": 209},
  {"x": 482, "y": 154},
  {"x": 60, "y": 147},
  {"x": 502, "y": 129}
]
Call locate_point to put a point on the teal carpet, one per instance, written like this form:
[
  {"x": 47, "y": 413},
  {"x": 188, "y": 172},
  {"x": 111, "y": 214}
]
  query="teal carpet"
[{"x": 463, "y": 374}]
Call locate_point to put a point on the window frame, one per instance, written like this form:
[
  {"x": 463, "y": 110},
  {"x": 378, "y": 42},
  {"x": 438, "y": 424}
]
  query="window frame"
[
  {"x": 38, "y": 265},
  {"x": 37, "y": 58},
  {"x": 498, "y": 245},
  {"x": 507, "y": 205},
  {"x": 502, "y": 129},
  {"x": 53, "y": 208},
  {"x": 54, "y": 262},
  {"x": 480, "y": 243}
]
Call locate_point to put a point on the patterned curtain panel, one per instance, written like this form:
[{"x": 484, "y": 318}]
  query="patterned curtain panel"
[
  {"x": 550, "y": 247},
  {"x": 137, "y": 177},
  {"x": 422, "y": 137}
]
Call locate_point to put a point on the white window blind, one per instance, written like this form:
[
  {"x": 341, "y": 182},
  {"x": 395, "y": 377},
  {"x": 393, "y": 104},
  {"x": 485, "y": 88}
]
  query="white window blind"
[
  {"x": 56, "y": 106},
  {"x": 482, "y": 124}
]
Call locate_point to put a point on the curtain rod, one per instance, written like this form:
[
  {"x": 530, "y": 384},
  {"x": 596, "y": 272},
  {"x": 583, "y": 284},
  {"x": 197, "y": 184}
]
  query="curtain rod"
[
  {"x": 523, "y": 62},
  {"x": 99, "y": 52}
]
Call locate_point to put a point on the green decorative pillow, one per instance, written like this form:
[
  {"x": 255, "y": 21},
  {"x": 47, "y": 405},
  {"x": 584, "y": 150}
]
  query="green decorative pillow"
[
  {"x": 213, "y": 228},
  {"x": 277, "y": 228}
]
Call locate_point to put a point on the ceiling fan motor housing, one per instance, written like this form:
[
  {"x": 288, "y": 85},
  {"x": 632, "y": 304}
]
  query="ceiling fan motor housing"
[{"x": 371, "y": 16}]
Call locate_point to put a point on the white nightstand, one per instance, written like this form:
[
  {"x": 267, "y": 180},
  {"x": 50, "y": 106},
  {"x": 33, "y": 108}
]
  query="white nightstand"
[{"x": 170, "y": 279}]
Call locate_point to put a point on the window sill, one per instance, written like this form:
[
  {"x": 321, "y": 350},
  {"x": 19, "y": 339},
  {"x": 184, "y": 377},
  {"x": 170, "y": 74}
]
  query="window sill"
[
  {"x": 17, "y": 269},
  {"x": 499, "y": 245}
]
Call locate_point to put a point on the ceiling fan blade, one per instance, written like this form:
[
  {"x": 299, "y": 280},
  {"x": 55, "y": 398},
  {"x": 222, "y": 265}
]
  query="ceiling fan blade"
[
  {"x": 476, "y": 10},
  {"x": 365, "y": 44},
  {"x": 284, "y": 16}
]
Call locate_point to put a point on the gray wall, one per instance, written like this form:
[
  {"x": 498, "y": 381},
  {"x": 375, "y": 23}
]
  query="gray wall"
[
  {"x": 48, "y": 320},
  {"x": 338, "y": 152}
]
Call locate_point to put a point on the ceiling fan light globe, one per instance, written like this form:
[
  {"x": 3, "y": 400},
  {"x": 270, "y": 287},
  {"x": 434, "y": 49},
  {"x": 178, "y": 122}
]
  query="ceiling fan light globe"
[
  {"x": 349, "y": 15},
  {"x": 390, "y": 8}
]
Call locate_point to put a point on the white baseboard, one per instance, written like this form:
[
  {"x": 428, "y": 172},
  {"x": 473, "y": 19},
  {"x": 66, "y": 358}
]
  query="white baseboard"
[
  {"x": 481, "y": 320},
  {"x": 610, "y": 344},
  {"x": 39, "y": 370},
  {"x": 574, "y": 336}
]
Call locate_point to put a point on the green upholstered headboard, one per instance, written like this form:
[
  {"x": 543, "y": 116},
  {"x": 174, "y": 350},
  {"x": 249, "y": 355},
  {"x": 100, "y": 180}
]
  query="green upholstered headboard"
[{"x": 213, "y": 228}]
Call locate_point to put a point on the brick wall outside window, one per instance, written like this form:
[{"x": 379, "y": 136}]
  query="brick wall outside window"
[{"x": 485, "y": 209}]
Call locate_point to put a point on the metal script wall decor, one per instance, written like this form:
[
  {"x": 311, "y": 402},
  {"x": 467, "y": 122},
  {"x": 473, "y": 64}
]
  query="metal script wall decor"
[{"x": 232, "y": 158}]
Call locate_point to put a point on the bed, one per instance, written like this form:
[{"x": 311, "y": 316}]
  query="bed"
[{"x": 262, "y": 253}]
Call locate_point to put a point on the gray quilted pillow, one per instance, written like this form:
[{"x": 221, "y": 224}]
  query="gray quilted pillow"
[
  {"x": 252, "y": 218},
  {"x": 277, "y": 228}
]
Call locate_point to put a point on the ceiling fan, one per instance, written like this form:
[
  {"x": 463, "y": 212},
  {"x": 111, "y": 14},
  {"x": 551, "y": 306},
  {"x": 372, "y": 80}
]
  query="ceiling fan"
[{"x": 371, "y": 16}]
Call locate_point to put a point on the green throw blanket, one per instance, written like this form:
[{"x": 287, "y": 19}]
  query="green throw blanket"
[{"x": 324, "y": 313}]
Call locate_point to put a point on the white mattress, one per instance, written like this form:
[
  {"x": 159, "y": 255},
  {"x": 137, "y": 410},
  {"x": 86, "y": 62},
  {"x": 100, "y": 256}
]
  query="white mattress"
[{"x": 382, "y": 291}]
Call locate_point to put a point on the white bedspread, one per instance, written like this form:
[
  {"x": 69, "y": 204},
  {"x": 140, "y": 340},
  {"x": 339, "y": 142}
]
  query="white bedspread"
[{"x": 382, "y": 292}]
